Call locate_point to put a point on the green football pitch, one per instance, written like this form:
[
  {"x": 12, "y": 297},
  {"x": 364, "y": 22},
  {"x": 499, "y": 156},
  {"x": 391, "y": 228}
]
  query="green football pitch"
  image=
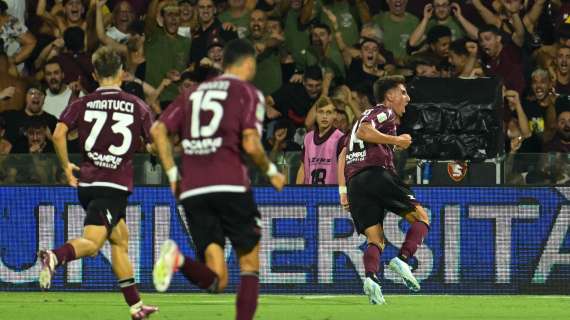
[{"x": 85, "y": 306}]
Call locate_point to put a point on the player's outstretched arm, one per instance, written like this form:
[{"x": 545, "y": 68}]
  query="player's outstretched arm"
[
  {"x": 368, "y": 133},
  {"x": 342, "y": 191},
  {"x": 252, "y": 146},
  {"x": 159, "y": 134},
  {"x": 60, "y": 144}
]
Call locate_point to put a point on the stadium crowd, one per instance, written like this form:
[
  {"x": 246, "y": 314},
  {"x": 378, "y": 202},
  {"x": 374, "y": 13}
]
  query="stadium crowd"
[{"x": 311, "y": 54}]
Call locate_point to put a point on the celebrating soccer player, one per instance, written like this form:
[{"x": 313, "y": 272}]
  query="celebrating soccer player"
[
  {"x": 216, "y": 121},
  {"x": 367, "y": 162},
  {"x": 110, "y": 123}
]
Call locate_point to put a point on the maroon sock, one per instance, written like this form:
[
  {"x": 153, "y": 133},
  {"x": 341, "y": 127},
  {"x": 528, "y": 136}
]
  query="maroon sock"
[
  {"x": 64, "y": 254},
  {"x": 199, "y": 274},
  {"x": 414, "y": 239},
  {"x": 248, "y": 291},
  {"x": 130, "y": 291},
  {"x": 371, "y": 260}
]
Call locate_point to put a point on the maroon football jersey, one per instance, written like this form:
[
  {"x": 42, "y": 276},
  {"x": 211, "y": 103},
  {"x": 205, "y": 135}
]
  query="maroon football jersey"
[
  {"x": 210, "y": 119},
  {"x": 110, "y": 123},
  {"x": 361, "y": 155}
]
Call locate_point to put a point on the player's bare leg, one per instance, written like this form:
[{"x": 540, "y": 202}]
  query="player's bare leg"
[
  {"x": 248, "y": 291},
  {"x": 372, "y": 288},
  {"x": 419, "y": 229},
  {"x": 216, "y": 261},
  {"x": 89, "y": 244},
  {"x": 123, "y": 270},
  {"x": 171, "y": 261}
]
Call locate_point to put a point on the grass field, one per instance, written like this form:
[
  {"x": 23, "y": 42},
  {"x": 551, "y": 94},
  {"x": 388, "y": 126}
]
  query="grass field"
[{"x": 86, "y": 306}]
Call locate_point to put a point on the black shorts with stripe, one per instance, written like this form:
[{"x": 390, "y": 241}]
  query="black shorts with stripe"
[
  {"x": 374, "y": 191},
  {"x": 104, "y": 206},
  {"x": 214, "y": 216}
]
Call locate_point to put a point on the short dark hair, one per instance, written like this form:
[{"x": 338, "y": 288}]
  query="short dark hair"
[
  {"x": 320, "y": 25},
  {"x": 385, "y": 84},
  {"x": 490, "y": 28},
  {"x": 53, "y": 61},
  {"x": 236, "y": 51},
  {"x": 278, "y": 20},
  {"x": 313, "y": 73},
  {"x": 458, "y": 47},
  {"x": 107, "y": 62},
  {"x": 74, "y": 39},
  {"x": 437, "y": 32}
]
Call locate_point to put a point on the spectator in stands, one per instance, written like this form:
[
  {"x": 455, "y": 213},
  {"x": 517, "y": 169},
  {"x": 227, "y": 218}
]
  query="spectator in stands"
[
  {"x": 501, "y": 58},
  {"x": 425, "y": 66},
  {"x": 441, "y": 11},
  {"x": 58, "y": 94},
  {"x": 75, "y": 60},
  {"x": 561, "y": 141},
  {"x": 293, "y": 100},
  {"x": 342, "y": 122},
  {"x": 37, "y": 134},
  {"x": 5, "y": 145},
  {"x": 545, "y": 56},
  {"x": 71, "y": 13},
  {"x": 268, "y": 76},
  {"x": 212, "y": 63},
  {"x": 506, "y": 16},
  {"x": 323, "y": 52},
  {"x": 123, "y": 17},
  {"x": 314, "y": 10},
  {"x": 12, "y": 88},
  {"x": 281, "y": 141},
  {"x": 437, "y": 41},
  {"x": 398, "y": 25},
  {"x": 362, "y": 68},
  {"x": 321, "y": 146},
  {"x": 17, "y": 42},
  {"x": 560, "y": 70},
  {"x": 464, "y": 64},
  {"x": 166, "y": 52},
  {"x": 18, "y": 121},
  {"x": 238, "y": 15},
  {"x": 209, "y": 27},
  {"x": 296, "y": 35}
]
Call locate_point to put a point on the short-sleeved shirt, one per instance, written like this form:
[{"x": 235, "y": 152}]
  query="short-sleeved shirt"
[
  {"x": 109, "y": 123},
  {"x": 347, "y": 24},
  {"x": 210, "y": 119},
  {"x": 361, "y": 155},
  {"x": 241, "y": 23},
  {"x": 396, "y": 33},
  {"x": 509, "y": 66},
  {"x": 10, "y": 33},
  {"x": 164, "y": 53},
  {"x": 293, "y": 101},
  {"x": 17, "y": 123}
]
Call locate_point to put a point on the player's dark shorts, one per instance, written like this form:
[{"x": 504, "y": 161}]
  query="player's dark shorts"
[
  {"x": 104, "y": 206},
  {"x": 214, "y": 216},
  {"x": 374, "y": 191}
]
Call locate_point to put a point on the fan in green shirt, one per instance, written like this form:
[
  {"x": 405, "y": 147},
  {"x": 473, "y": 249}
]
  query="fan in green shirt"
[
  {"x": 238, "y": 15},
  {"x": 323, "y": 53},
  {"x": 397, "y": 25},
  {"x": 268, "y": 77},
  {"x": 166, "y": 51}
]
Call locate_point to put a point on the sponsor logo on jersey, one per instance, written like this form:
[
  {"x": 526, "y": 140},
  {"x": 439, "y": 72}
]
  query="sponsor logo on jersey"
[
  {"x": 201, "y": 146},
  {"x": 107, "y": 161}
]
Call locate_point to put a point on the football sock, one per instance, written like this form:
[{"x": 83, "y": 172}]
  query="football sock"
[
  {"x": 130, "y": 291},
  {"x": 371, "y": 260},
  {"x": 248, "y": 291},
  {"x": 199, "y": 274},
  {"x": 64, "y": 254},
  {"x": 414, "y": 239}
]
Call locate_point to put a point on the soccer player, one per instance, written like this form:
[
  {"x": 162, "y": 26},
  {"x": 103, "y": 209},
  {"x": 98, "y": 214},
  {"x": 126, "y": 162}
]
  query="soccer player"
[
  {"x": 216, "y": 120},
  {"x": 110, "y": 123},
  {"x": 321, "y": 147},
  {"x": 367, "y": 162}
]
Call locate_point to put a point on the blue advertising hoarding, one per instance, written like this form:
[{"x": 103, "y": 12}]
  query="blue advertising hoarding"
[{"x": 482, "y": 240}]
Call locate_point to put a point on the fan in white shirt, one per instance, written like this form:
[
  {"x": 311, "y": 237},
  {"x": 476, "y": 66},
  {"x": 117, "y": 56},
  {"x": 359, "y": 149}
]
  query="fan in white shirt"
[{"x": 58, "y": 94}]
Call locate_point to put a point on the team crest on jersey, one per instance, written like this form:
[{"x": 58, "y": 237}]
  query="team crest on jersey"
[
  {"x": 382, "y": 117},
  {"x": 457, "y": 170}
]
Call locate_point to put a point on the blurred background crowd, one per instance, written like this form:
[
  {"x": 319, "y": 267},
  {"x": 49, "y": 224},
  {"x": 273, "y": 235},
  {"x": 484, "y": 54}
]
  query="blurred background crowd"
[{"x": 311, "y": 54}]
